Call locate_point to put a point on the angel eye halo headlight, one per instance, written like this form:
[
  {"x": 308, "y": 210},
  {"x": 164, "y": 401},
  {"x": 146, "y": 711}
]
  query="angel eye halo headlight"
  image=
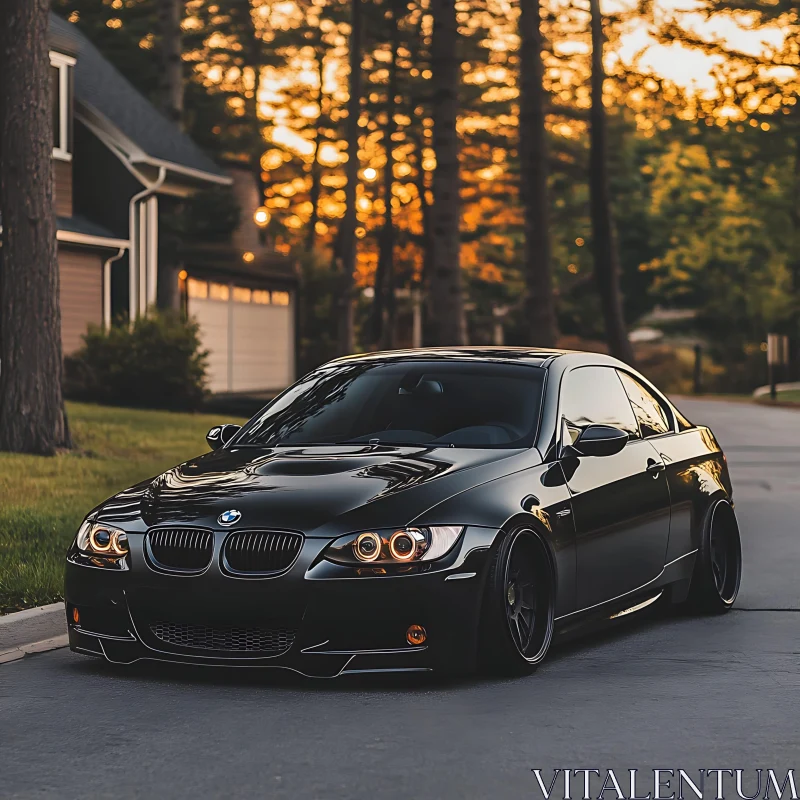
[
  {"x": 367, "y": 547},
  {"x": 96, "y": 538},
  {"x": 394, "y": 545}
]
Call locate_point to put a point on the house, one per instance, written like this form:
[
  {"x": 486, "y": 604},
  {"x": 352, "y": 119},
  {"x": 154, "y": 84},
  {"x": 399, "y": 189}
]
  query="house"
[{"x": 119, "y": 165}]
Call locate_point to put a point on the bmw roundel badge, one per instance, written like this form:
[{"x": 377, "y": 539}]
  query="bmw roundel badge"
[{"x": 229, "y": 517}]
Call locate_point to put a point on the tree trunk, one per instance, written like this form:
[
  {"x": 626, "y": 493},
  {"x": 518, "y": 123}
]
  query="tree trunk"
[
  {"x": 794, "y": 258},
  {"x": 170, "y": 14},
  {"x": 316, "y": 167},
  {"x": 383, "y": 331},
  {"x": 447, "y": 323},
  {"x": 425, "y": 212},
  {"x": 539, "y": 300},
  {"x": 32, "y": 418},
  {"x": 348, "y": 230},
  {"x": 606, "y": 256}
]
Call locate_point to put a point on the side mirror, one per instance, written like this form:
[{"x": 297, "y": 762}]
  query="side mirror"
[
  {"x": 600, "y": 440},
  {"x": 221, "y": 434}
]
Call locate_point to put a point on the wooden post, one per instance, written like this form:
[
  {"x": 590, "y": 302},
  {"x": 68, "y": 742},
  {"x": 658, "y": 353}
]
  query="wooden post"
[{"x": 698, "y": 369}]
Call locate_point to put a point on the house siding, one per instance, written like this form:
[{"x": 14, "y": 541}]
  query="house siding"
[
  {"x": 81, "y": 278},
  {"x": 63, "y": 187}
]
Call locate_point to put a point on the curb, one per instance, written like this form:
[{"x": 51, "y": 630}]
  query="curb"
[
  {"x": 781, "y": 387},
  {"x": 28, "y": 613},
  {"x": 34, "y": 630},
  {"x": 34, "y": 647}
]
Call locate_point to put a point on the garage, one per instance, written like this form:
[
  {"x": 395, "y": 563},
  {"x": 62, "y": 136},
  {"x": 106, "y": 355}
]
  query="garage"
[{"x": 248, "y": 332}]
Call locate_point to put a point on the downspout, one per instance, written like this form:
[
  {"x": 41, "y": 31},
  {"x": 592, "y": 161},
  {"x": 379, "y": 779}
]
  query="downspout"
[
  {"x": 107, "y": 288},
  {"x": 133, "y": 250}
]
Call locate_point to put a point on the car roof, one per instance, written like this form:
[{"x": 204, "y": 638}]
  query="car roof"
[{"x": 538, "y": 356}]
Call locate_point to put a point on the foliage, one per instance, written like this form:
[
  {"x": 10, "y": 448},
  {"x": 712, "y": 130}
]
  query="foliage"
[
  {"x": 213, "y": 215},
  {"x": 317, "y": 317},
  {"x": 704, "y": 177},
  {"x": 43, "y": 500},
  {"x": 156, "y": 363}
]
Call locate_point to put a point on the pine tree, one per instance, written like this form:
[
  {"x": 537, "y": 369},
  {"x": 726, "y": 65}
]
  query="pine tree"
[
  {"x": 447, "y": 322},
  {"x": 32, "y": 418},
  {"x": 604, "y": 241},
  {"x": 534, "y": 171}
]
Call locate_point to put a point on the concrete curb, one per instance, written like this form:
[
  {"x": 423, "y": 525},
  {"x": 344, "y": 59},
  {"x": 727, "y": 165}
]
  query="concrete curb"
[
  {"x": 781, "y": 387},
  {"x": 33, "y": 630},
  {"x": 34, "y": 647}
]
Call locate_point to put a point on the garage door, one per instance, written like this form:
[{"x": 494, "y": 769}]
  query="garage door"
[
  {"x": 81, "y": 279},
  {"x": 249, "y": 335}
]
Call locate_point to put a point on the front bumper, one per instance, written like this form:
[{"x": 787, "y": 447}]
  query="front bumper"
[{"x": 331, "y": 622}]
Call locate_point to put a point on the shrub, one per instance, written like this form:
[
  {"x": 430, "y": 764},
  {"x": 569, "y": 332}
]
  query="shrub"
[{"x": 156, "y": 363}]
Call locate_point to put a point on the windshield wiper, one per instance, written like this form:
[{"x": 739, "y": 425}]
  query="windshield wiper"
[
  {"x": 378, "y": 443},
  {"x": 348, "y": 443}
]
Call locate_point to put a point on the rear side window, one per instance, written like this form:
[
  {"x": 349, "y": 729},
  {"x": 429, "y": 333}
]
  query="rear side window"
[
  {"x": 594, "y": 396},
  {"x": 653, "y": 418}
]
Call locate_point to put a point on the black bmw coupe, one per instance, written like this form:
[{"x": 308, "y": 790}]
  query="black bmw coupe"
[{"x": 440, "y": 509}]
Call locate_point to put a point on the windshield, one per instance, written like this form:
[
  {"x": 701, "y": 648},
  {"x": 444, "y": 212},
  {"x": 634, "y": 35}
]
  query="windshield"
[{"x": 432, "y": 403}]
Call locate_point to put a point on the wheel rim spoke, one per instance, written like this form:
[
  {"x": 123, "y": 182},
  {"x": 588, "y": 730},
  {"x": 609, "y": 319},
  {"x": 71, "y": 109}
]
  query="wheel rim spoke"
[
  {"x": 725, "y": 556},
  {"x": 521, "y": 598}
]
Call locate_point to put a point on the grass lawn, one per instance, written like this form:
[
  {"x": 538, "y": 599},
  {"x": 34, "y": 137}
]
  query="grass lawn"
[
  {"x": 790, "y": 397},
  {"x": 43, "y": 500}
]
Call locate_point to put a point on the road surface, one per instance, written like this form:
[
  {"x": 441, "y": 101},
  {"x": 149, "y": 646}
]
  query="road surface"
[{"x": 720, "y": 693}]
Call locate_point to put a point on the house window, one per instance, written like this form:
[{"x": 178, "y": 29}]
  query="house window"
[
  {"x": 241, "y": 294},
  {"x": 197, "y": 289},
  {"x": 61, "y": 88},
  {"x": 261, "y": 297},
  {"x": 218, "y": 291},
  {"x": 280, "y": 298}
]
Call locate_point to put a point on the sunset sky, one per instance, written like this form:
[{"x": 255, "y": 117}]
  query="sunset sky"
[{"x": 686, "y": 67}]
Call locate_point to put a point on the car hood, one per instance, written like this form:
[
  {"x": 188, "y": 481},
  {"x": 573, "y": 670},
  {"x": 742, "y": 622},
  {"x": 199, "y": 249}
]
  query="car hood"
[{"x": 320, "y": 491}]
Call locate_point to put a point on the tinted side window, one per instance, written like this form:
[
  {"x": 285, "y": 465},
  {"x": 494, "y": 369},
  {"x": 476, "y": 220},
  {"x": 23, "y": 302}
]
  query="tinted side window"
[
  {"x": 594, "y": 395},
  {"x": 653, "y": 418}
]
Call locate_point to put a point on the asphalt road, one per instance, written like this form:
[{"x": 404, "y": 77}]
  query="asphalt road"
[{"x": 720, "y": 693}]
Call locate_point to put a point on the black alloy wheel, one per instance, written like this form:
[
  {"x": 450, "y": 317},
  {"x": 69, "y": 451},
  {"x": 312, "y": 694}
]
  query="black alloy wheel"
[
  {"x": 521, "y": 600},
  {"x": 718, "y": 570},
  {"x": 518, "y": 608}
]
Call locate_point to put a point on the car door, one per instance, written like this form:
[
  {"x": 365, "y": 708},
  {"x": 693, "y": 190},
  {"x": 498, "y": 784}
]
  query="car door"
[{"x": 620, "y": 503}]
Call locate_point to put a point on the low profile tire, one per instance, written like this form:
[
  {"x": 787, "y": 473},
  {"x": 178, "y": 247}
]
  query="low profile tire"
[
  {"x": 718, "y": 569},
  {"x": 518, "y": 606}
]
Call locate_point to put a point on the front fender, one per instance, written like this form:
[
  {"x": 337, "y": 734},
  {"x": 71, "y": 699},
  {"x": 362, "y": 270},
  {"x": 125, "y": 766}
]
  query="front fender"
[{"x": 536, "y": 496}]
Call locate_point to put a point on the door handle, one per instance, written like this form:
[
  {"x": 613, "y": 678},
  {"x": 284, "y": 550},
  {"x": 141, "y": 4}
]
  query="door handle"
[{"x": 655, "y": 468}]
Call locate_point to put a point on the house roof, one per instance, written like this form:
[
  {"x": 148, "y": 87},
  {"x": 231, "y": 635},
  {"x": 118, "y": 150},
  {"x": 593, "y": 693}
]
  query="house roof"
[
  {"x": 79, "y": 224},
  {"x": 219, "y": 260},
  {"x": 134, "y": 124},
  {"x": 77, "y": 230}
]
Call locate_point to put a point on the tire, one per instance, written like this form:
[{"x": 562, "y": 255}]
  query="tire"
[
  {"x": 718, "y": 568},
  {"x": 518, "y": 606}
]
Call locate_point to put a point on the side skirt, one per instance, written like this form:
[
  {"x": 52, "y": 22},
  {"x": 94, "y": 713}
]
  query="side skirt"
[{"x": 674, "y": 576}]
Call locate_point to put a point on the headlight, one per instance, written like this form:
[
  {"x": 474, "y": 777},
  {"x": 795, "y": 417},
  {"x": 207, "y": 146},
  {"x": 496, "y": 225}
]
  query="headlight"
[
  {"x": 394, "y": 546},
  {"x": 97, "y": 539}
]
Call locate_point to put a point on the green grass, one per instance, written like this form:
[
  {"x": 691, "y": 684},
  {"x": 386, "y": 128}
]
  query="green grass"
[
  {"x": 43, "y": 500},
  {"x": 789, "y": 398}
]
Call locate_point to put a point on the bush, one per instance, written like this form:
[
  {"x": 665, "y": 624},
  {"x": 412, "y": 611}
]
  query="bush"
[{"x": 157, "y": 363}]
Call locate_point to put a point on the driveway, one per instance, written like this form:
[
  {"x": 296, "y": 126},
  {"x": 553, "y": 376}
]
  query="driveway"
[{"x": 656, "y": 693}]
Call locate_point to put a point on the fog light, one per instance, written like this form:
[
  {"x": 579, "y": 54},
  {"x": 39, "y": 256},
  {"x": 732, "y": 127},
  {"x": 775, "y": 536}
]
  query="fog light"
[
  {"x": 416, "y": 635},
  {"x": 76, "y": 617},
  {"x": 367, "y": 547}
]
